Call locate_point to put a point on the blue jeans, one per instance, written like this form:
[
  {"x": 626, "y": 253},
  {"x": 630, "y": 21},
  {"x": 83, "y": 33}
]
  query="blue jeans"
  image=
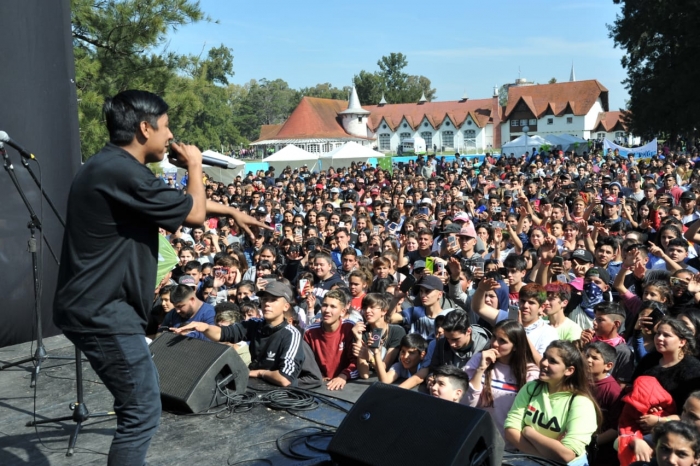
[{"x": 124, "y": 364}]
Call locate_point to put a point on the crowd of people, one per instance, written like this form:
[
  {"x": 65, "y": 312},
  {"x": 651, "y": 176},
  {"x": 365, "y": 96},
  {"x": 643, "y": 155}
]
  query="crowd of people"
[{"x": 557, "y": 291}]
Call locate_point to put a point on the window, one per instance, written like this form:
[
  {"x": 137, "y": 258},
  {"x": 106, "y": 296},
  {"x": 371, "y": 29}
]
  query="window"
[
  {"x": 403, "y": 136},
  {"x": 523, "y": 122},
  {"x": 514, "y": 123},
  {"x": 301, "y": 146},
  {"x": 469, "y": 122},
  {"x": 448, "y": 139},
  {"x": 569, "y": 120},
  {"x": 533, "y": 122},
  {"x": 470, "y": 138},
  {"x": 425, "y": 124},
  {"x": 428, "y": 136},
  {"x": 620, "y": 135},
  {"x": 601, "y": 136},
  {"x": 328, "y": 147},
  {"x": 405, "y": 125},
  {"x": 359, "y": 119},
  {"x": 384, "y": 141},
  {"x": 312, "y": 148},
  {"x": 447, "y": 123},
  {"x": 550, "y": 121},
  {"x": 383, "y": 126}
]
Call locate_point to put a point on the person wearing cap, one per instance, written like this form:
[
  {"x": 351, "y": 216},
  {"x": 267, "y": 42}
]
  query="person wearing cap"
[
  {"x": 187, "y": 309},
  {"x": 421, "y": 319},
  {"x": 635, "y": 190},
  {"x": 275, "y": 345},
  {"x": 688, "y": 205},
  {"x": 335, "y": 197},
  {"x": 467, "y": 242}
]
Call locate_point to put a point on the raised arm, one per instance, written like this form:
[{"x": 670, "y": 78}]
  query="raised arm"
[{"x": 488, "y": 313}]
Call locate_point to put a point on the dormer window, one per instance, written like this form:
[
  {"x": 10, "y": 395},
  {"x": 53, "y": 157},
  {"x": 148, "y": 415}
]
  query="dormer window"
[
  {"x": 405, "y": 125},
  {"x": 469, "y": 122},
  {"x": 359, "y": 119},
  {"x": 447, "y": 123}
]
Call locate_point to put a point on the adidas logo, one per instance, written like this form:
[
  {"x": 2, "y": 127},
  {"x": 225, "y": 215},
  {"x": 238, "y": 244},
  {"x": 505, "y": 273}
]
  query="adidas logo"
[{"x": 270, "y": 356}]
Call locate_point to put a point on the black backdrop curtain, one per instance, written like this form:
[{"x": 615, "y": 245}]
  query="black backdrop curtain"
[{"x": 38, "y": 109}]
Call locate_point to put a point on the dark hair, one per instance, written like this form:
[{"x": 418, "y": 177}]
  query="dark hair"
[
  {"x": 578, "y": 382},
  {"x": 678, "y": 242},
  {"x": 664, "y": 288},
  {"x": 339, "y": 295},
  {"x": 193, "y": 265},
  {"x": 608, "y": 352},
  {"x": 166, "y": 290},
  {"x": 515, "y": 261},
  {"x": 181, "y": 293},
  {"x": 125, "y": 111},
  {"x": 381, "y": 284},
  {"x": 521, "y": 357},
  {"x": 414, "y": 340},
  {"x": 456, "y": 321},
  {"x": 560, "y": 289},
  {"x": 457, "y": 377},
  {"x": 680, "y": 428},
  {"x": 679, "y": 328},
  {"x": 609, "y": 308},
  {"x": 376, "y": 300},
  {"x": 533, "y": 290}
]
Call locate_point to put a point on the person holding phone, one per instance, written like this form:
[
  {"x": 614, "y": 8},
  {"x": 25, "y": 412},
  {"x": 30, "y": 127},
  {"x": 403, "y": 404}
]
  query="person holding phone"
[{"x": 378, "y": 332}]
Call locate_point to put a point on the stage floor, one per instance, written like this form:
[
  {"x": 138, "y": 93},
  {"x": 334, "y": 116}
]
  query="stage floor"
[{"x": 239, "y": 438}]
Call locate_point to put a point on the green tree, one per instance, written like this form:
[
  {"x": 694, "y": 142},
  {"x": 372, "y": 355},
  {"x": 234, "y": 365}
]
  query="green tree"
[
  {"x": 392, "y": 82},
  {"x": 325, "y": 91},
  {"x": 553, "y": 81},
  {"x": 264, "y": 103},
  {"x": 115, "y": 46},
  {"x": 660, "y": 41}
]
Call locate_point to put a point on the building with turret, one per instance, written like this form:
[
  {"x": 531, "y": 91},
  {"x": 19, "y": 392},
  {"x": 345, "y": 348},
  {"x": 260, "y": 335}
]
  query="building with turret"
[{"x": 579, "y": 108}]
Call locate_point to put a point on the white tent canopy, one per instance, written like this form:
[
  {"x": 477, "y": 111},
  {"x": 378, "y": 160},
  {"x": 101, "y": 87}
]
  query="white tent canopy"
[
  {"x": 348, "y": 153},
  {"x": 292, "y": 156},
  {"x": 522, "y": 144},
  {"x": 567, "y": 142},
  {"x": 224, "y": 175}
]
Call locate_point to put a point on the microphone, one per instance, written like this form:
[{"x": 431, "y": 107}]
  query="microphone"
[
  {"x": 213, "y": 162},
  {"x": 4, "y": 137}
]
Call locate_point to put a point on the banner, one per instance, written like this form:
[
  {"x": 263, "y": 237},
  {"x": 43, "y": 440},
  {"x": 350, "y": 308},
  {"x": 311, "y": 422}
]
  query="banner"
[
  {"x": 642, "y": 152},
  {"x": 385, "y": 164}
]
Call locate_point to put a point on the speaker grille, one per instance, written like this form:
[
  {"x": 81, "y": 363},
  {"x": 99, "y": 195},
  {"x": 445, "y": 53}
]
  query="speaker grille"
[{"x": 186, "y": 360}]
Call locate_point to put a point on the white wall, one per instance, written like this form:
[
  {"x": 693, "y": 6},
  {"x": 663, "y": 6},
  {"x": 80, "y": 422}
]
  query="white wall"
[{"x": 353, "y": 126}]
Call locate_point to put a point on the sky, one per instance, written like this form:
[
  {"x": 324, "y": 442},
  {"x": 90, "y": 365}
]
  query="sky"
[{"x": 462, "y": 46}]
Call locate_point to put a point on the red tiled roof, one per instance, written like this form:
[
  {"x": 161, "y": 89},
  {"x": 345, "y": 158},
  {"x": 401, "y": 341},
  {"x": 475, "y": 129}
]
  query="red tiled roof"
[
  {"x": 607, "y": 121},
  {"x": 313, "y": 118},
  {"x": 434, "y": 112},
  {"x": 269, "y": 131},
  {"x": 580, "y": 95}
]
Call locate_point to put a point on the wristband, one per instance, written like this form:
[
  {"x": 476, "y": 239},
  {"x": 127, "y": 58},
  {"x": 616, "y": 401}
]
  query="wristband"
[{"x": 546, "y": 262}]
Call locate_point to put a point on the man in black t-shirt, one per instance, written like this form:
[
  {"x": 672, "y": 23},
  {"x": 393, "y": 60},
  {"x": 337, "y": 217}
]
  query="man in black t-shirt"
[{"x": 110, "y": 252}]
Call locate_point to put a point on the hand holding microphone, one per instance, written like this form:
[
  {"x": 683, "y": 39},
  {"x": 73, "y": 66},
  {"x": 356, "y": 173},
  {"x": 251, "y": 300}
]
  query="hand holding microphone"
[
  {"x": 178, "y": 149},
  {"x": 184, "y": 155}
]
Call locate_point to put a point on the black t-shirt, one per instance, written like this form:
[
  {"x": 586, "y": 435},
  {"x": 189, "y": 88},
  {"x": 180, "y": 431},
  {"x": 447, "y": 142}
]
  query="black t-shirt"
[{"x": 108, "y": 265}]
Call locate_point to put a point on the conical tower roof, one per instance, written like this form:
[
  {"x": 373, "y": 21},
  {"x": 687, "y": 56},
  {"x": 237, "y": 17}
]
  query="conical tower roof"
[{"x": 354, "y": 107}]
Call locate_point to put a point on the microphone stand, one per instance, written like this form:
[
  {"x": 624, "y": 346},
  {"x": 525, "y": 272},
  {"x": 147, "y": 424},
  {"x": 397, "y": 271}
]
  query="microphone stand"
[
  {"x": 34, "y": 224},
  {"x": 46, "y": 196},
  {"x": 80, "y": 410}
]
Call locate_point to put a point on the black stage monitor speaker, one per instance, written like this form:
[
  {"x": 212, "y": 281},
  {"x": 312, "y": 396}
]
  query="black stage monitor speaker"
[
  {"x": 419, "y": 428},
  {"x": 194, "y": 373}
]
